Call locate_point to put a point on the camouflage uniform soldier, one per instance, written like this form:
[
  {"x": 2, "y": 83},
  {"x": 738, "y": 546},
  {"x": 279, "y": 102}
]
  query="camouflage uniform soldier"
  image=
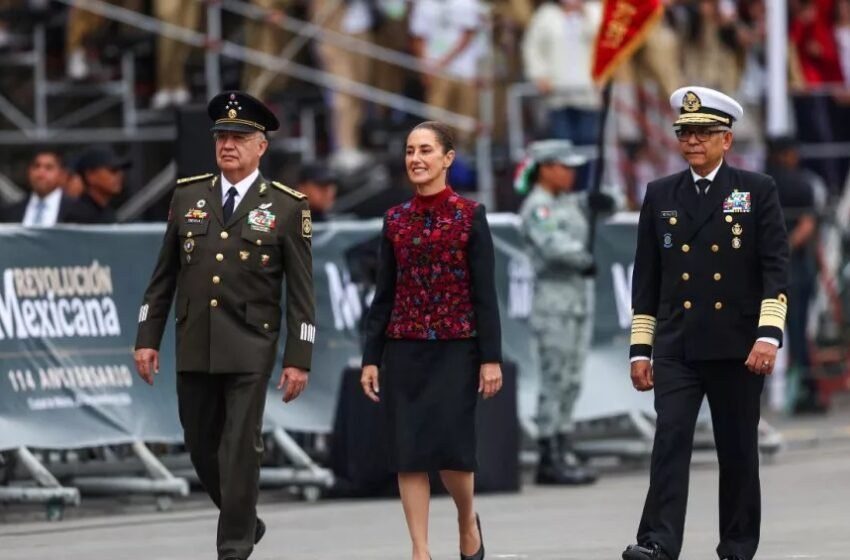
[{"x": 556, "y": 227}]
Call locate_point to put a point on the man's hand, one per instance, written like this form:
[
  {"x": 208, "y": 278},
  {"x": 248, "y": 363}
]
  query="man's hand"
[
  {"x": 147, "y": 363},
  {"x": 295, "y": 380},
  {"x": 544, "y": 86},
  {"x": 762, "y": 358},
  {"x": 642, "y": 375}
]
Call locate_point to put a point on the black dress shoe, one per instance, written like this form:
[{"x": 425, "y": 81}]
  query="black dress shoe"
[
  {"x": 259, "y": 531},
  {"x": 647, "y": 551},
  {"x": 480, "y": 554}
]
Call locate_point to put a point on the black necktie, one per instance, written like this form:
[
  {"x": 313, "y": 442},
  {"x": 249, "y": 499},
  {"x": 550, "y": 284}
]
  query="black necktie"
[
  {"x": 702, "y": 186},
  {"x": 228, "y": 204}
]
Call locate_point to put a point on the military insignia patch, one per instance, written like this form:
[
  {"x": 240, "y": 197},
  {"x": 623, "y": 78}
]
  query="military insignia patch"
[
  {"x": 244, "y": 255},
  {"x": 264, "y": 260},
  {"x": 736, "y": 242},
  {"x": 195, "y": 216},
  {"x": 737, "y": 202},
  {"x": 737, "y": 229},
  {"x": 668, "y": 240},
  {"x": 261, "y": 220},
  {"x": 691, "y": 102},
  {"x": 306, "y": 224},
  {"x": 542, "y": 213},
  {"x": 189, "y": 245},
  {"x": 201, "y": 203}
]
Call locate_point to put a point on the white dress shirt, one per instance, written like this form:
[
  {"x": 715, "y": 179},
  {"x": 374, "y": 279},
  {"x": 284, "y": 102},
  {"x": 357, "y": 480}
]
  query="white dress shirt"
[
  {"x": 711, "y": 177},
  {"x": 241, "y": 187},
  {"x": 43, "y": 212}
]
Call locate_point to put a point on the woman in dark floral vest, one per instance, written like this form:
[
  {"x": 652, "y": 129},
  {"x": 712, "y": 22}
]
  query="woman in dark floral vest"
[{"x": 433, "y": 330}]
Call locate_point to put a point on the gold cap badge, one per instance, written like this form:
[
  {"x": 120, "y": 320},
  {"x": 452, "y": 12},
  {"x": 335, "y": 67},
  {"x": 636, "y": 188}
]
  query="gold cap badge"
[{"x": 691, "y": 103}]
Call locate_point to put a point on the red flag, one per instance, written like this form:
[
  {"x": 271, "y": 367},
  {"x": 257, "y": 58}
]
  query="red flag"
[{"x": 624, "y": 26}]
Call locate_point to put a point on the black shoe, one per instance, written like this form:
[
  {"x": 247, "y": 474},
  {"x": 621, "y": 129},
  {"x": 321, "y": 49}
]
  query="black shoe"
[
  {"x": 259, "y": 531},
  {"x": 552, "y": 469},
  {"x": 648, "y": 551},
  {"x": 480, "y": 554}
]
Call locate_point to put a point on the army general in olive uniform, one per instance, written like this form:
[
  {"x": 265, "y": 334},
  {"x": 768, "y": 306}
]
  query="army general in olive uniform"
[
  {"x": 709, "y": 292},
  {"x": 232, "y": 239}
]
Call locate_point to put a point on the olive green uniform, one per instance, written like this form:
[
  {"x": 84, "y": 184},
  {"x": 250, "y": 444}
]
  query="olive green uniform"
[{"x": 228, "y": 278}]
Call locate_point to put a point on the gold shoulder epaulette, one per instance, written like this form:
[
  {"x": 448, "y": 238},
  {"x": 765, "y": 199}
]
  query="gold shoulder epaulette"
[
  {"x": 291, "y": 192},
  {"x": 194, "y": 179}
]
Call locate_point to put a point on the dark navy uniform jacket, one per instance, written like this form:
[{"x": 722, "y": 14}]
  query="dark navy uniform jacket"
[{"x": 710, "y": 274}]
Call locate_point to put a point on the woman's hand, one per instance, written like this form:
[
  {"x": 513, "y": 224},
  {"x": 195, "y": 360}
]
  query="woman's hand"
[
  {"x": 490, "y": 379},
  {"x": 369, "y": 381}
]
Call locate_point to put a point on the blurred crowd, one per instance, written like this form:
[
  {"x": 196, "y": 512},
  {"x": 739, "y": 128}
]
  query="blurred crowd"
[{"x": 458, "y": 44}]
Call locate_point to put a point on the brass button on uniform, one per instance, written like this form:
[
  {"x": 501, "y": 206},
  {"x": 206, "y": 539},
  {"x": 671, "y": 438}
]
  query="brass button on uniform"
[
  {"x": 216, "y": 279},
  {"x": 728, "y": 219},
  {"x": 717, "y": 277},
  {"x": 673, "y": 221},
  {"x": 686, "y": 248},
  {"x": 224, "y": 235},
  {"x": 686, "y": 276},
  {"x": 259, "y": 241},
  {"x": 213, "y": 303},
  {"x": 718, "y": 306},
  {"x": 188, "y": 234},
  {"x": 266, "y": 326},
  {"x": 687, "y": 305},
  {"x": 715, "y": 248},
  {"x": 219, "y": 257}
]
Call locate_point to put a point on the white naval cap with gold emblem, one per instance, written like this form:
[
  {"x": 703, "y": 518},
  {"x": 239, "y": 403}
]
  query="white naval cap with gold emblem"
[{"x": 704, "y": 106}]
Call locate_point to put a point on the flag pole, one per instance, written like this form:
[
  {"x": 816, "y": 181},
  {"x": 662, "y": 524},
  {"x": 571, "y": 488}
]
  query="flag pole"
[{"x": 599, "y": 168}]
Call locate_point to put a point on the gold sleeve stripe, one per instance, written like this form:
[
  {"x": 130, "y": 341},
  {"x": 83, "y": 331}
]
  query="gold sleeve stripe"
[
  {"x": 773, "y": 312},
  {"x": 643, "y": 329}
]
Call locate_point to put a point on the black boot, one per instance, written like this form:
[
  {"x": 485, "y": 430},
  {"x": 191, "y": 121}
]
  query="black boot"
[
  {"x": 553, "y": 469},
  {"x": 567, "y": 451}
]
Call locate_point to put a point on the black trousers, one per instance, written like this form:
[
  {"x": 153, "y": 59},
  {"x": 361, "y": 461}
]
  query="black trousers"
[
  {"x": 733, "y": 396},
  {"x": 222, "y": 419}
]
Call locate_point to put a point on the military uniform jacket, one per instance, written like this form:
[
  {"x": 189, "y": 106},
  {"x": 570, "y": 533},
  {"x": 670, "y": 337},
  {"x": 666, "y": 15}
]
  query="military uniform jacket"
[
  {"x": 710, "y": 274},
  {"x": 555, "y": 229},
  {"x": 229, "y": 276}
]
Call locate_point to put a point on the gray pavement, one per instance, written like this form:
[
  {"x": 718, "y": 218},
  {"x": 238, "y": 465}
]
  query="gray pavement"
[{"x": 806, "y": 496}]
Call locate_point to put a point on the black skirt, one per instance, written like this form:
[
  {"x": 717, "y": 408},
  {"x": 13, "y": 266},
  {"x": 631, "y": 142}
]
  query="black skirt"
[{"x": 429, "y": 390}]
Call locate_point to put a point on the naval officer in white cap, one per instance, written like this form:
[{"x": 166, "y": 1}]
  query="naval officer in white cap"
[{"x": 709, "y": 301}]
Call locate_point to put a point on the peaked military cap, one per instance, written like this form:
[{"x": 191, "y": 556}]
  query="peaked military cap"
[
  {"x": 236, "y": 111},
  {"x": 556, "y": 151},
  {"x": 704, "y": 106}
]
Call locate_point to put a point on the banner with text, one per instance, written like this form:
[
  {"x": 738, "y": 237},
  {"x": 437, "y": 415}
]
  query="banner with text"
[{"x": 69, "y": 300}]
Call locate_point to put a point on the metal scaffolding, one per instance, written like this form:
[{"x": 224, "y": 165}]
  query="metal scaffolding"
[{"x": 138, "y": 126}]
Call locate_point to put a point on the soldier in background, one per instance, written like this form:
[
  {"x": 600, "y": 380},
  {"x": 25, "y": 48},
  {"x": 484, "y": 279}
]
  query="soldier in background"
[
  {"x": 556, "y": 227},
  {"x": 317, "y": 182}
]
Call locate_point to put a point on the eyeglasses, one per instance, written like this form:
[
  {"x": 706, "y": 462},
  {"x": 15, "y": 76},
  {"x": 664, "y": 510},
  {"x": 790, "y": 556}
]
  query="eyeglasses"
[{"x": 684, "y": 134}]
